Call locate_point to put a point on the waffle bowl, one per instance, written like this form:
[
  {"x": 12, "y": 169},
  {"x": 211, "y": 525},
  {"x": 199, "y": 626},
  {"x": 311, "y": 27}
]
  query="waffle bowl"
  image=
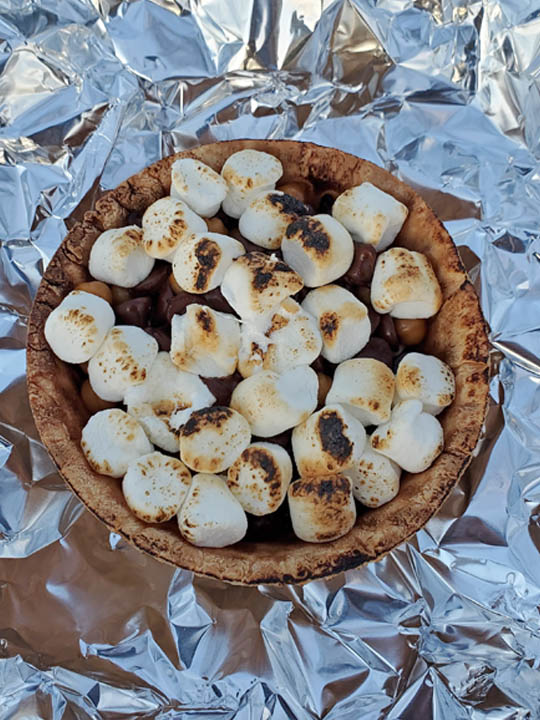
[{"x": 457, "y": 335}]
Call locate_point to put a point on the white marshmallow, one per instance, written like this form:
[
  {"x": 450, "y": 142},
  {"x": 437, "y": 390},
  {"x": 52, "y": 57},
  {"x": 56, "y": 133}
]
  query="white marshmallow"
[
  {"x": 118, "y": 257},
  {"x": 405, "y": 285},
  {"x": 425, "y": 378},
  {"x": 155, "y": 486},
  {"x": 200, "y": 187},
  {"x": 412, "y": 438},
  {"x": 166, "y": 223},
  {"x": 329, "y": 441},
  {"x": 370, "y": 215},
  {"x": 268, "y": 216},
  {"x": 365, "y": 387},
  {"x": 211, "y": 516},
  {"x": 289, "y": 339},
  {"x": 123, "y": 360},
  {"x": 260, "y": 476},
  {"x": 165, "y": 401},
  {"x": 375, "y": 478},
  {"x": 273, "y": 403},
  {"x": 77, "y": 327},
  {"x": 255, "y": 284},
  {"x": 205, "y": 341},
  {"x": 111, "y": 439},
  {"x": 248, "y": 173},
  {"x": 322, "y": 508},
  {"x": 319, "y": 248},
  {"x": 201, "y": 261},
  {"x": 343, "y": 321},
  {"x": 213, "y": 438}
]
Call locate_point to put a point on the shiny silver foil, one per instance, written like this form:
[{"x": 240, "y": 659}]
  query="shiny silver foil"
[{"x": 443, "y": 93}]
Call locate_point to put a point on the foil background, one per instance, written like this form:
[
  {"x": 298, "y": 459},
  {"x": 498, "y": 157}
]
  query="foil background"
[{"x": 444, "y": 93}]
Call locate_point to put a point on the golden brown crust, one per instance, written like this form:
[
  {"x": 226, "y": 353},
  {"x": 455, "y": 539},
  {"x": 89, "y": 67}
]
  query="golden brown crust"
[{"x": 457, "y": 335}]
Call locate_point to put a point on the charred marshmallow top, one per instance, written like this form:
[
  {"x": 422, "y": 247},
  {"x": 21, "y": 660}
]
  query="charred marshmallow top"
[
  {"x": 370, "y": 215},
  {"x": 248, "y": 173},
  {"x": 200, "y": 187},
  {"x": 77, "y": 327},
  {"x": 405, "y": 285},
  {"x": 256, "y": 284},
  {"x": 200, "y": 262},
  {"x": 266, "y": 219},
  {"x": 166, "y": 224},
  {"x": 319, "y": 248}
]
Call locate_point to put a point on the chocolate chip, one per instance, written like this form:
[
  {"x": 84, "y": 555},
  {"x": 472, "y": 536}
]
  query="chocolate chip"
[
  {"x": 161, "y": 335},
  {"x": 362, "y": 266},
  {"x": 154, "y": 282},
  {"x": 326, "y": 203},
  {"x": 134, "y": 311},
  {"x": 160, "y": 308},
  {"x": 283, "y": 439},
  {"x": 378, "y": 349},
  {"x": 177, "y": 304},
  {"x": 214, "y": 299},
  {"x": 387, "y": 331},
  {"x": 321, "y": 365},
  {"x": 374, "y": 319},
  {"x": 134, "y": 218},
  {"x": 301, "y": 294},
  {"x": 248, "y": 245},
  {"x": 222, "y": 388},
  {"x": 274, "y": 526},
  {"x": 363, "y": 293}
]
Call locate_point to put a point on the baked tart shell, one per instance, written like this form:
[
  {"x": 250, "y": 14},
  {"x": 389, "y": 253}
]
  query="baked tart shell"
[{"x": 457, "y": 335}]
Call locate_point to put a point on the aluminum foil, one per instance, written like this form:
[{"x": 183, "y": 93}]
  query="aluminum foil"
[{"x": 444, "y": 93}]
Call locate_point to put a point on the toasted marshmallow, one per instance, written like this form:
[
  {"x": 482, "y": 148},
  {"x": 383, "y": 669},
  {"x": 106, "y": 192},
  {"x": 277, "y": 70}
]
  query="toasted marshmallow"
[
  {"x": 118, "y": 257},
  {"x": 123, "y": 360},
  {"x": 111, "y": 439},
  {"x": 259, "y": 477},
  {"x": 200, "y": 262},
  {"x": 255, "y": 284},
  {"x": 425, "y": 378},
  {"x": 322, "y": 508},
  {"x": 405, "y": 285},
  {"x": 365, "y": 387},
  {"x": 205, "y": 341},
  {"x": 248, "y": 173},
  {"x": 412, "y": 438},
  {"x": 213, "y": 438},
  {"x": 343, "y": 321},
  {"x": 290, "y": 338},
  {"x": 319, "y": 248},
  {"x": 370, "y": 215},
  {"x": 196, "y": 184},
  {"x": 273, "y": 403},
  {"x": 375, "y": 478},
  {"x": 329, "y": 441},
  {"x": 77, "y": 327},
  {"x": 268, "y": 216},
  {"x": 166, "y": 223},
  {"x": 155, "y": 486},
  {"x": 211, "y": 516},
  {"x": 165, "y": 401}
]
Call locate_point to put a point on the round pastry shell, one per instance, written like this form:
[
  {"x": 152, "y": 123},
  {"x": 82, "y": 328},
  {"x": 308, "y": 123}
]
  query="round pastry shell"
[{"x": 457, "y": 335}]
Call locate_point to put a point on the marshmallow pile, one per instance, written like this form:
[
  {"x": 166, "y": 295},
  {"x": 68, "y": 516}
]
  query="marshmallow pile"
[{"x": 231, "y": 459}]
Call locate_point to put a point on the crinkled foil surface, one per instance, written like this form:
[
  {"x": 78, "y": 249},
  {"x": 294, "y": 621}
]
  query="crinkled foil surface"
[{"x": 444, "y": 93}]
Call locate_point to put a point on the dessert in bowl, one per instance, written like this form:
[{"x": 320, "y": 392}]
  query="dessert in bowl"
[{"x": 261, "y": 361}]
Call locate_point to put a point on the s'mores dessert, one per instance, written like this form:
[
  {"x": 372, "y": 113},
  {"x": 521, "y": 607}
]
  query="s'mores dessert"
[{"x": 254, "y": 351}]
